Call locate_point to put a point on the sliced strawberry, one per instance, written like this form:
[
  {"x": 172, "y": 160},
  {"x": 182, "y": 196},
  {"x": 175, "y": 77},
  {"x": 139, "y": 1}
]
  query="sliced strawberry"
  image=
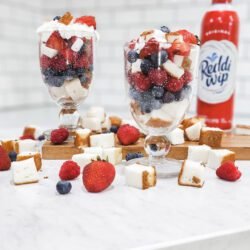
[
  {"x": 55, "y": 41},
  {"x": 179, "y": 48},
  {"x": 188, "y": 37},
  {"x": 151, "y": 47},
  {"x": 88, "y": 20},
  {"x": 45, "y": 62}
]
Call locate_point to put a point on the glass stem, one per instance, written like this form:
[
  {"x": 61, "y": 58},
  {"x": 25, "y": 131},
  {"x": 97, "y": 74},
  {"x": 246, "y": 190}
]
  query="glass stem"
[{"x": 70, "y": 118}]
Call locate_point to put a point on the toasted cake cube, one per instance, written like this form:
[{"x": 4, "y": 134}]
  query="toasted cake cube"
[
  {"x": 75, "y": 90},
  {"x": 94, "y": 150},
  {"x": 83, "y": 159},
  {"x": 27, "y": 155},
  {"x": 92, "y": 123},
  {"x": 192, "y": 174},
  {"x": 97, "y": 112},
  {"x": 31, "y": 130},
  {"x": 8, "y": 145},
  {"x": 28, "y": 145},
  {"x": 193, "y": 132},
  {"x": 82, "y": 137},
  {"x": 217, "y": 157},
  {"x": 211, "y": 137},
  {"x": 242, "y": 130},
  {"x": 198, "y": 153},
  {"x": 173, "y": 69},
  {"x": 176, "y": 136},
  {"x": 112, "y": 155},
  {"x": 140, "y": 176},
  {"x": 102, "y": 140},
  {"x": 24, "y": 172},
  {"x": 115, "y": 120}
]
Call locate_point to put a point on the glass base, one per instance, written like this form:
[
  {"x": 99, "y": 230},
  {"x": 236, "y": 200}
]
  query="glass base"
[{"x": 165, "y": 167}]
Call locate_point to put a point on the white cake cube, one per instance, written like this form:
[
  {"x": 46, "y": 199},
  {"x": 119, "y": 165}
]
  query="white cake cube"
[
  {"x": 82, "y": 137},
  {"x": 198, "y": 153},
  {"x": 193, "y": 132},
  {"x": 140, "y": 176},
  {"x": 75, "y": 90},
  {"x": 106, "y": 124},
  {"x": 35, "y": 155},
  {"x": 96, "y": 112},
  {"x": 83, "y": 159},
  {"x": 77, "y": 45},
  {"x": 217, "y": 157},
  {"x": 176, "y": 136},
  {"x": 27, "y": 145},
  {"x": 24, "y": 172},
  {"x": 94, "y": 150},
  {"x": 173, "y": 69},
  {"x": 178, "y": 60},
  {"x": 48, "y": 51},
  {"x": 136, "y": 66},
  {"x": 92, "y": 123},
  {"x": 103, "y": 140},
  {"x": 32, "y": 130},
  {"x": 192, "y": 174},
  {"x": 112, "y": 155}
]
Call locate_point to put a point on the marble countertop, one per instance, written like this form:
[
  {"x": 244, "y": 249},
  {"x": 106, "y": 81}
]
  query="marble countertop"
[{"x": 168, "y": 216}]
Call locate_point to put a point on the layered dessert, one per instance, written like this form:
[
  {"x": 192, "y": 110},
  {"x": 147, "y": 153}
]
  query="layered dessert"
[
  {"x": 159, "y": 69},
  {"x": 66, "y": 57}
]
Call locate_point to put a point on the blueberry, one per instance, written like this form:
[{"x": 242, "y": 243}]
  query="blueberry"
[
  {"x": 158, "y": 92},
  {"x": 132, "y": 56},
  {"x": 114, "y": 129},
  {"x": 131, "y": 156},
  {"x": 63, "y": 187},
  {"x": 146, "y": 65},
  {"x": 56, "y": 18},
  {"x": 136, "y": 95},
  {"x": 41, "y": 138},
  {"x": 156, "y": 104},
  {"x": 53, "y": 78},
  {"x": 12, "y": 155},
  {"x": 168, "y": 97},
  {"x": 83, "y": 79},
  {"x": 179, "y": 96},
  {"x": 153, "y": 147},
  {"x": 187, "y": 89},
  {"x": 154, "y": 58},
  {"x": 165, "y": 29},
  {"x": 146, "y": 107},
  {"x": 70, "y": 73}
]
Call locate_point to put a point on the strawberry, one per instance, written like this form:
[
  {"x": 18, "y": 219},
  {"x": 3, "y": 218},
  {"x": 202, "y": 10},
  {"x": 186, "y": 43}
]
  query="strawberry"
[
  {"x": 188, "y": 37},
  {"x": 128, "y": 134},
  {"x": 158, "y": 76},
  {"x": 58, "y": 136},
  {"x": 45, "y": 62},
  {"x": 55, "y": 41},
  {"x": 69, "y": 171},
  {"x": 228, "y": 171},
  {"x": 187, "y": 77},
  {"x": 151, "y": 47},
  {"x": 5, "y": 161},
  {"x": 174, "y": 85},
  {"x": 179, "y": 48},
  {"x": 69, "y": 55},
  {"x": 140, "y": 81},
  {"x": 98, "y": 175},
  {"x": 88, "y": 20},
  {"x": 82, "y": 61}
]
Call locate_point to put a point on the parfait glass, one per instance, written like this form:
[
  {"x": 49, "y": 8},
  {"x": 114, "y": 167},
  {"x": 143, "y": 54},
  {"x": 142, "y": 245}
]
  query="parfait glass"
[
  {"x": 159, "y": 80},
  {"x": 67, "y": 67}
]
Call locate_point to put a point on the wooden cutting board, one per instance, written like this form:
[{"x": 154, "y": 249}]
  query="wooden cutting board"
[{"x": 240, "y": 144}]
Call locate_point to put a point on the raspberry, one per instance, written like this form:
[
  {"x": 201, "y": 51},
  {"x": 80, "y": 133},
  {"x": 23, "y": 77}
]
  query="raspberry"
[
  {"x": 58, "y": 136},
  {"x": 140, "y": 81},
  {"x": 69, "y": 171},
  {"x": 228, "y": 171},
  {"x": 151, "y": 47},
  {"x": 158, "y": 76},
  {"x": 58, "y": 63},
  {"x": 88, "y": 20},
  {"x": 187, "y": 77},
  {"x": 128, "y": 134},
  {"x": 174, "y": 85},
  {"x": 45, "y": 62}
]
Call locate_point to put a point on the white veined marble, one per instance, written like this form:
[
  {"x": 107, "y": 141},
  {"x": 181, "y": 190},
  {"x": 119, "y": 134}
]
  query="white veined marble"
[{"x": 168, "y": 216}]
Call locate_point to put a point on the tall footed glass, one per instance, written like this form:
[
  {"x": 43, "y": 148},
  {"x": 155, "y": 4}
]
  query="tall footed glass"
[
  {"x": 67, "y": 64},
  {"x": 159, "y": 82}
]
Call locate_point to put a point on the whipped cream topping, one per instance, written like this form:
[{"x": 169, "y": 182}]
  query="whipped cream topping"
[{"x": 80, "y": 30}]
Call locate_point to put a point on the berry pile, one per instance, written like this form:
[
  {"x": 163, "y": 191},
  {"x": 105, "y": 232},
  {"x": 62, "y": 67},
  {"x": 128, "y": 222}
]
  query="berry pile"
[
  {"x": 159, "y": 67},
  {"x": 66, "y": 55}
]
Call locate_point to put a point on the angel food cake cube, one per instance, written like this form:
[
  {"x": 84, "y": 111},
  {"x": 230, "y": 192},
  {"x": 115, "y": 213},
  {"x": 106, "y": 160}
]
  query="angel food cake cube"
[
  {"x": 140, "y": 176},
  {"x": 103, "y": 140},
  {"x": 35, "y": 155},
  {"x": 82, "y": 137},
  {"x": 24, "y": 172},
  {"x": 83, "y": 159},
  {"x": 211, "y": 136},
  {"x": 217, "y": 157},
  {"x": 112, "y": 155},
  {"x": 192, "y": 174},
  {"x": 28, "y": 145},
  {"x": 198, "y": 153},
  {"x": 176, "y": 137}
]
